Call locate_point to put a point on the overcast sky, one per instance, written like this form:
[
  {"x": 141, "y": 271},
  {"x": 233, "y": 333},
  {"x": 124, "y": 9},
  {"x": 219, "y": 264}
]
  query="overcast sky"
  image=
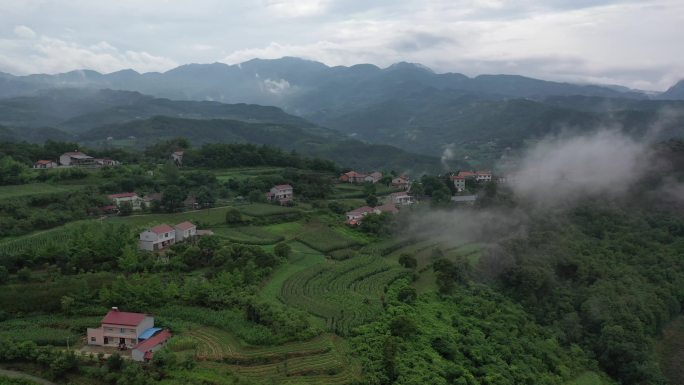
[{"x": 633, "y": 43}]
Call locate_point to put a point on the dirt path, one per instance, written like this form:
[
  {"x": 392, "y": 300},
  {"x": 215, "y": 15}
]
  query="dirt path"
[{"x": 24, "y": 376}]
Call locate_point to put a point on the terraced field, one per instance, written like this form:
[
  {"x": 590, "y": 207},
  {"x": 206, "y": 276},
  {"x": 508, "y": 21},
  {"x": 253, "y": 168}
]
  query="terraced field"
[
  {"x": 345, "y": 294},
  {"x": 321, "y": 360},
  {"x": 248, "y": 235},
  {"x": 320, "y": 237}
]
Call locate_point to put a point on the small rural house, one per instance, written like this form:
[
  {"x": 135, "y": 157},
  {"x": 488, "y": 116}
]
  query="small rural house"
[
  {"x": 40, "y": 164},
  {"x": 459, "y": 182},
  {"x": 157, "y": 238},
  {"x": 162, "y": 236},
  {"x": 386, "y": 208},
  {"x": 130, "y": 331},
  {"x": 373, "y": 177},
  {"x": 356, "y": 177},
  {"x": 483, "y": 176},
  {"x": 401, "y": 182},
  {"x": 120, "y": 329},
  {"x": 136, "y": 202},
  {"x": 144, "y": 350},
  {"x": 479, "y": 176},
  {"x": 107, "y": 162},
  {"x": 76, "y": 159},
  {"x": 282, "y": 193},
  {"x": 185, "y": 230},
  {"x": 401, "y": 199},
  {"x": 152, "y": 197},
  {"x": 177, "y": 157},
  {"x": 354, "y": 217}
]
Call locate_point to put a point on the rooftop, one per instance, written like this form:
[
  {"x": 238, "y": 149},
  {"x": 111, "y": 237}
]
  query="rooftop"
[
  {"x": 123, "y": 318},
  {"x": 153, "y": 341},
  {"x": 161, "y": 229},
  {"x": 282, "y": 187},
  {"x": 185, "y": 225},
  {"x": 122, "y": 195}
]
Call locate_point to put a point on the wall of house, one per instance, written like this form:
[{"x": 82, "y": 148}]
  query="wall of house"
[
  {"x": 114, "y": 333},
  {"x": 138, "y": 355},
  {"x": 96, "y": 334}
]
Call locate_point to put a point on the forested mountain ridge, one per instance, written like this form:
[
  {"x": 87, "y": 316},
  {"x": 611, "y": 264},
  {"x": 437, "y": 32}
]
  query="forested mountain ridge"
[{"x": 78, "y": 109}]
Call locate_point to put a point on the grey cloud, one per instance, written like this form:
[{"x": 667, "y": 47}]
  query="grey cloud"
[{"x": 562, "y": 170}]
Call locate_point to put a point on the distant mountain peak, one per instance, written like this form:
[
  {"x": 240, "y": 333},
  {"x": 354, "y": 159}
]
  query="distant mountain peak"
[
  {"x": 674, "y": 92},
  {"x": 407, "y": 65}
]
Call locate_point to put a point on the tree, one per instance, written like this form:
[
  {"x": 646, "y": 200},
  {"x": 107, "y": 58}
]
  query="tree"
[
  {"x": 407, "y": 294},
  {"x": 204, "y": 197},
  {"x": 173, "y": 197},
  {"x": 171, "y": 173},
  {"x": 256, "y": 196},
  {"x": 372, "y": 200},
  {"x": 282, "y": 250},
  {"x": 12, "y": 172},
  {"x": 125, "y": 208},
  {"x": 403, "y": 326},
  {"x": 24, "y": 274},
  {"x": 440, "y": 197},
  {"x": 233, "y": 216},
  {"x": 4, "y": 274},
  {"x": 67, "y": 304},
  {"x": 408, "y": 261}
]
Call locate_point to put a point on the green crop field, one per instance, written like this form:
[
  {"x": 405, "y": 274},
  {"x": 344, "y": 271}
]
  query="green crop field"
[
  {"x": 265, "y": 210},
  {"x": 321, "y": 360},
  {"x": 246, "y": 172},
  {"x": 323, "y": 238},
  {"x": 251, "y": 235},
  {"x": 301, "y": 257},
  {"x": 214, "y": 216},
  {"x": 24, "y": 190},
  {"x": 345, "y": 294}
]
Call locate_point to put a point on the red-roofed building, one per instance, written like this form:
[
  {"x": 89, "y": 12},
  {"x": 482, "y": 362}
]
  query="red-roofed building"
[
  {"x": 40, "y": 164},
  {"x": 355, "y": 216},
  {"x": 400, "y": 199},
  {"x": 157, "y": 238},
  {"x": 401, "y": 182},
  {"x": 352, "y": 177},
  {"x": 135, "y": 201},
  {"x": 144, "y": 350},
  {"x": 120, "y": 329},
  {"x": 185, "y": 230}
]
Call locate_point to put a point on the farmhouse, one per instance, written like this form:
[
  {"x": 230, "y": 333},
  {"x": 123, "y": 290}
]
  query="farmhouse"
[
  {"x": 107, "y": 162},
  {"x": 459, "y": 182},
  {"x": 354, "y": 217},
  {"x": 136, "y": 202},
  {"x": 40, "y": 164},
  {"x": 76, "y": 159},
  {"x": 479, "y": 176},
  {"x": 401, "y": 199},
  {"x": 401, "y": 182},
  {"x": 177, "y": 157},
  {"x": 483, "y": 176},
  {"x": 282, "y": 193},
  {"x": 373, "y": 177},
  {"x": 157, "y": 238},
  {"x": 352, "y": 177},
  {"x": 126, "y": 330},
  {"x": 386, "y": 208},
  {"x": 185, "y": 230},
  {"x": 120, "y": 329}
]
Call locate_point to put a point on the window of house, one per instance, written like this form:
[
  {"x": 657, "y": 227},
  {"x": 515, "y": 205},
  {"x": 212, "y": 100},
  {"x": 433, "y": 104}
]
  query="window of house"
[
  {"x": 92, "y": 339},
  {"x": 122, "y": 330}
]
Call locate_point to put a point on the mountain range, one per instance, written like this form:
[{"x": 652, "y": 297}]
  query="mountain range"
[{"x": 404, "y": 105}]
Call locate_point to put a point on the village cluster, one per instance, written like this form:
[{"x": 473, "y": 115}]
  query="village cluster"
[{"x": 75, "y": 159}]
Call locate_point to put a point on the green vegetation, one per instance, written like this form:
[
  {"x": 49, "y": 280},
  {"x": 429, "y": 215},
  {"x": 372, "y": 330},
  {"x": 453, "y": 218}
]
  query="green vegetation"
[{"x": 345, "y": 294}]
